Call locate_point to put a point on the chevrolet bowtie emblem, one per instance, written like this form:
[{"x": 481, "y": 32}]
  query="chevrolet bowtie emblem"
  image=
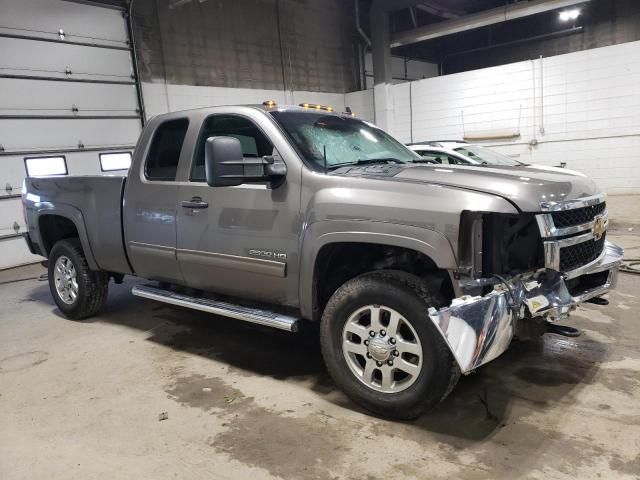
[{"x": 599, "y": 226}]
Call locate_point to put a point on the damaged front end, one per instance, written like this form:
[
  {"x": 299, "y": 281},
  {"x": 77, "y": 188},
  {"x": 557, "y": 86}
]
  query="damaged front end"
[{"x": 480, "y": 327}]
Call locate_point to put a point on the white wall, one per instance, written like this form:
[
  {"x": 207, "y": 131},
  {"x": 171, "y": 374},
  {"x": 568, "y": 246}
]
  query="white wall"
[
  {"x": 587, "y": 111},
  {"x": 361, "y": 104}
]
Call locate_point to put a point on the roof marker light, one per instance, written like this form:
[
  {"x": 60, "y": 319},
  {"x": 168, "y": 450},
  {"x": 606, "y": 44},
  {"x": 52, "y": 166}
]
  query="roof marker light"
[{"x": 316, "y": 106}]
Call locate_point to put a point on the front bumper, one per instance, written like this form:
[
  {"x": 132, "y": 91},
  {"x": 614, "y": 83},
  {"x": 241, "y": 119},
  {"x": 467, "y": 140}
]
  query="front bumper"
[{"x": 479, "y": 329}]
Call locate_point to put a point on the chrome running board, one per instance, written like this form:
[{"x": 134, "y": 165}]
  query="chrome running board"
[{"x": 259, "y": 316}]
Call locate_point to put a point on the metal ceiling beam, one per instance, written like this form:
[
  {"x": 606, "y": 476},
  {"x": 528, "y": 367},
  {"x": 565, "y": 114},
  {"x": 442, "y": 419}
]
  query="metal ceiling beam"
[
  {"x": 480, "y": 19},
  {"x": 434, "y": 8},
  {"x": 115, "y": 4},
  {"x": 389, "y": 6}
]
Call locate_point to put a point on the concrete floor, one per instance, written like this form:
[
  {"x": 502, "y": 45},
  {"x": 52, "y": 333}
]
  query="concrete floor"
[{"x": 82, "y": 399}]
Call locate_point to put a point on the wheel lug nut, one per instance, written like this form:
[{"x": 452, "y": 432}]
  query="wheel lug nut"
[
  {"x": 379, "y": 364},
  {"x": 366, "y": 342},
  {"x": 396, "y": 353},
  {"x": 368, "y": 355},
  {"x": 372, "y": 333},
  {"x": 390, "y": 363},
  {"x": 392, "y": 341},
  {"x": 382, "y": 333}
]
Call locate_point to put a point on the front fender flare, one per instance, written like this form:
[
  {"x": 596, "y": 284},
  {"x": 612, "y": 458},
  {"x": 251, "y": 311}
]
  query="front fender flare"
[{"x": 317, "y": 235}]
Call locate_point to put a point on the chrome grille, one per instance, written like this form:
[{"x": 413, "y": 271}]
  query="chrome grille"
[
  {"x": 575, "y": 256},
  {"x": 578, "y": 216},
  {"x": 573, "y": 233}
]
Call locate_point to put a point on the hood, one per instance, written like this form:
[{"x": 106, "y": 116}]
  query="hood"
[{"x": 525, "y": 186}]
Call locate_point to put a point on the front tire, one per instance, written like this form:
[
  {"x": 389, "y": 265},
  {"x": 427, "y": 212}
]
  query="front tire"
[
  {"x": 381, "y": 348},
  {"x": 78, "y": 291}
]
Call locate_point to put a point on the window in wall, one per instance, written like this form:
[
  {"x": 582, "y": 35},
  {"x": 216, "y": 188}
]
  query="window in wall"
[
  {"x": 40, "y": 166},
  {"x": 254, "y": 143},
  {"x": 115, "y": 161},
  {"x": 164, "y": 154}
]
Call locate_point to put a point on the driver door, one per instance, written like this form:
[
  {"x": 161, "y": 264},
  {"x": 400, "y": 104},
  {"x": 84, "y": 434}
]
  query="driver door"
[{"x": 239, "y": 240}]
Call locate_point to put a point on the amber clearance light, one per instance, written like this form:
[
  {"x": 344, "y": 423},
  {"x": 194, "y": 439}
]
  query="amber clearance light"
[{"x": 315, "y": 106}]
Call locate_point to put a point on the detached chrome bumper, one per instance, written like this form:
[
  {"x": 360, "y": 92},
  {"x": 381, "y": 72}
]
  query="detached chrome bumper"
[{"x": 479, "y": 329}]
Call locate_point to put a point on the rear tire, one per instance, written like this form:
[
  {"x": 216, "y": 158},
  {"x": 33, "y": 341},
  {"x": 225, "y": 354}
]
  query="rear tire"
[
  {"x": 78, "y": 291},
  {"x": 404, "y": 367}
]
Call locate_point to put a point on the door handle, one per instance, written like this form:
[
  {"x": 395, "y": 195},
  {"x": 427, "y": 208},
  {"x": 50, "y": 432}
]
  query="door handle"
[{"x": 194, "y": 203}]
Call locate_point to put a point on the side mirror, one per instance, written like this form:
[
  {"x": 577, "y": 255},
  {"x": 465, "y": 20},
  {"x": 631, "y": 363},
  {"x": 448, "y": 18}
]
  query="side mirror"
[
  {"x": 223, "y": 161},
  {"x": 225, "y": 165}
]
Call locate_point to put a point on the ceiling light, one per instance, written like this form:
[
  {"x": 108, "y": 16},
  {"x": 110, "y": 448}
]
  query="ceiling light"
[{"x": 567, "y": 15}]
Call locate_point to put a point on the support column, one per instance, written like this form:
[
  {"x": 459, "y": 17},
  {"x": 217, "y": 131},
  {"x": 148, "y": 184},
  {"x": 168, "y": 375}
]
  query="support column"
[{"x": 382, "y": 73}]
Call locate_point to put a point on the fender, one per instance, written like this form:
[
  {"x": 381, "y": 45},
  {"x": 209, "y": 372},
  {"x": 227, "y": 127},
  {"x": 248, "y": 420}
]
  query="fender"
[
  {"x": 428, "y": 242},
  {"x": 70, "y": 213}
]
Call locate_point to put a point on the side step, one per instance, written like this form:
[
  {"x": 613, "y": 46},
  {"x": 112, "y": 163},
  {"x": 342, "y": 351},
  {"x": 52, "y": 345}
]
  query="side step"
[{"x": 248, "y": 314}]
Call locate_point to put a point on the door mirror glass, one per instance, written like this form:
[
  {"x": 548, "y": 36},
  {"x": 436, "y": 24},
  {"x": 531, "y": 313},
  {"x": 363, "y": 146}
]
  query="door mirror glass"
[{"x": 226, "y": 166}]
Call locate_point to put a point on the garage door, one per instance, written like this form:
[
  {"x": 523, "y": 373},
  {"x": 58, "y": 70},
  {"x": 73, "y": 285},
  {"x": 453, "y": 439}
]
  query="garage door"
[{"x": 68, "y": 99}]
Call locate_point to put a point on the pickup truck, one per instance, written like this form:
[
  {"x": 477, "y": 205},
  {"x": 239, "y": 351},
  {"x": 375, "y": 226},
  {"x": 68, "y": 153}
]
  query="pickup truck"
[{"x": 280, "y": 215}]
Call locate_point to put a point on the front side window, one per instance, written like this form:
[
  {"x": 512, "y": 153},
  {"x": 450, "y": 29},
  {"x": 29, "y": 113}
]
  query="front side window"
[
  {"x": 337, "y": 141},
  {"x": 254, "y": 143},
  {"x": 164, "y": 154}
]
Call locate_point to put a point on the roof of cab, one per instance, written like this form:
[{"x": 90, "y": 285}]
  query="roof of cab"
[
  {"x": 154, "y": 120},
  {"x": 297, "y": 108}
]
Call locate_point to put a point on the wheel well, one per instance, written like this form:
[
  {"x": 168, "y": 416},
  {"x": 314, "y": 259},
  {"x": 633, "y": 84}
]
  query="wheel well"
[
  {"x": 54, "y": 228},
  {"x": 337, "y": 263}
]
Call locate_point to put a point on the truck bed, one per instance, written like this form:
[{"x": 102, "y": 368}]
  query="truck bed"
[{"x": 93, "y": 203}]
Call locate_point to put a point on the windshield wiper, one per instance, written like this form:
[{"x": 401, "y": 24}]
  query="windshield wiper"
[{"x": 366, "y": 161}]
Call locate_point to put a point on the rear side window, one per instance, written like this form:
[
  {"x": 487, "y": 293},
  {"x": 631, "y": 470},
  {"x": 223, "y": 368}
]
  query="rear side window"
[
  {"x": 254, "y": 143},
  {"x": 164, "y": 154}
]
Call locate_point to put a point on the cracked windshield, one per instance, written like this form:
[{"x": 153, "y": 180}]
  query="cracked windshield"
[{"x": 334, "y": 141}]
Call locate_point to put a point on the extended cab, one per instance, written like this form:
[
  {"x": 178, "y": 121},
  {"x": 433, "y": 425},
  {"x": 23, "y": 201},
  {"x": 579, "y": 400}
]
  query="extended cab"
[{"x": 277, "y": 215}]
